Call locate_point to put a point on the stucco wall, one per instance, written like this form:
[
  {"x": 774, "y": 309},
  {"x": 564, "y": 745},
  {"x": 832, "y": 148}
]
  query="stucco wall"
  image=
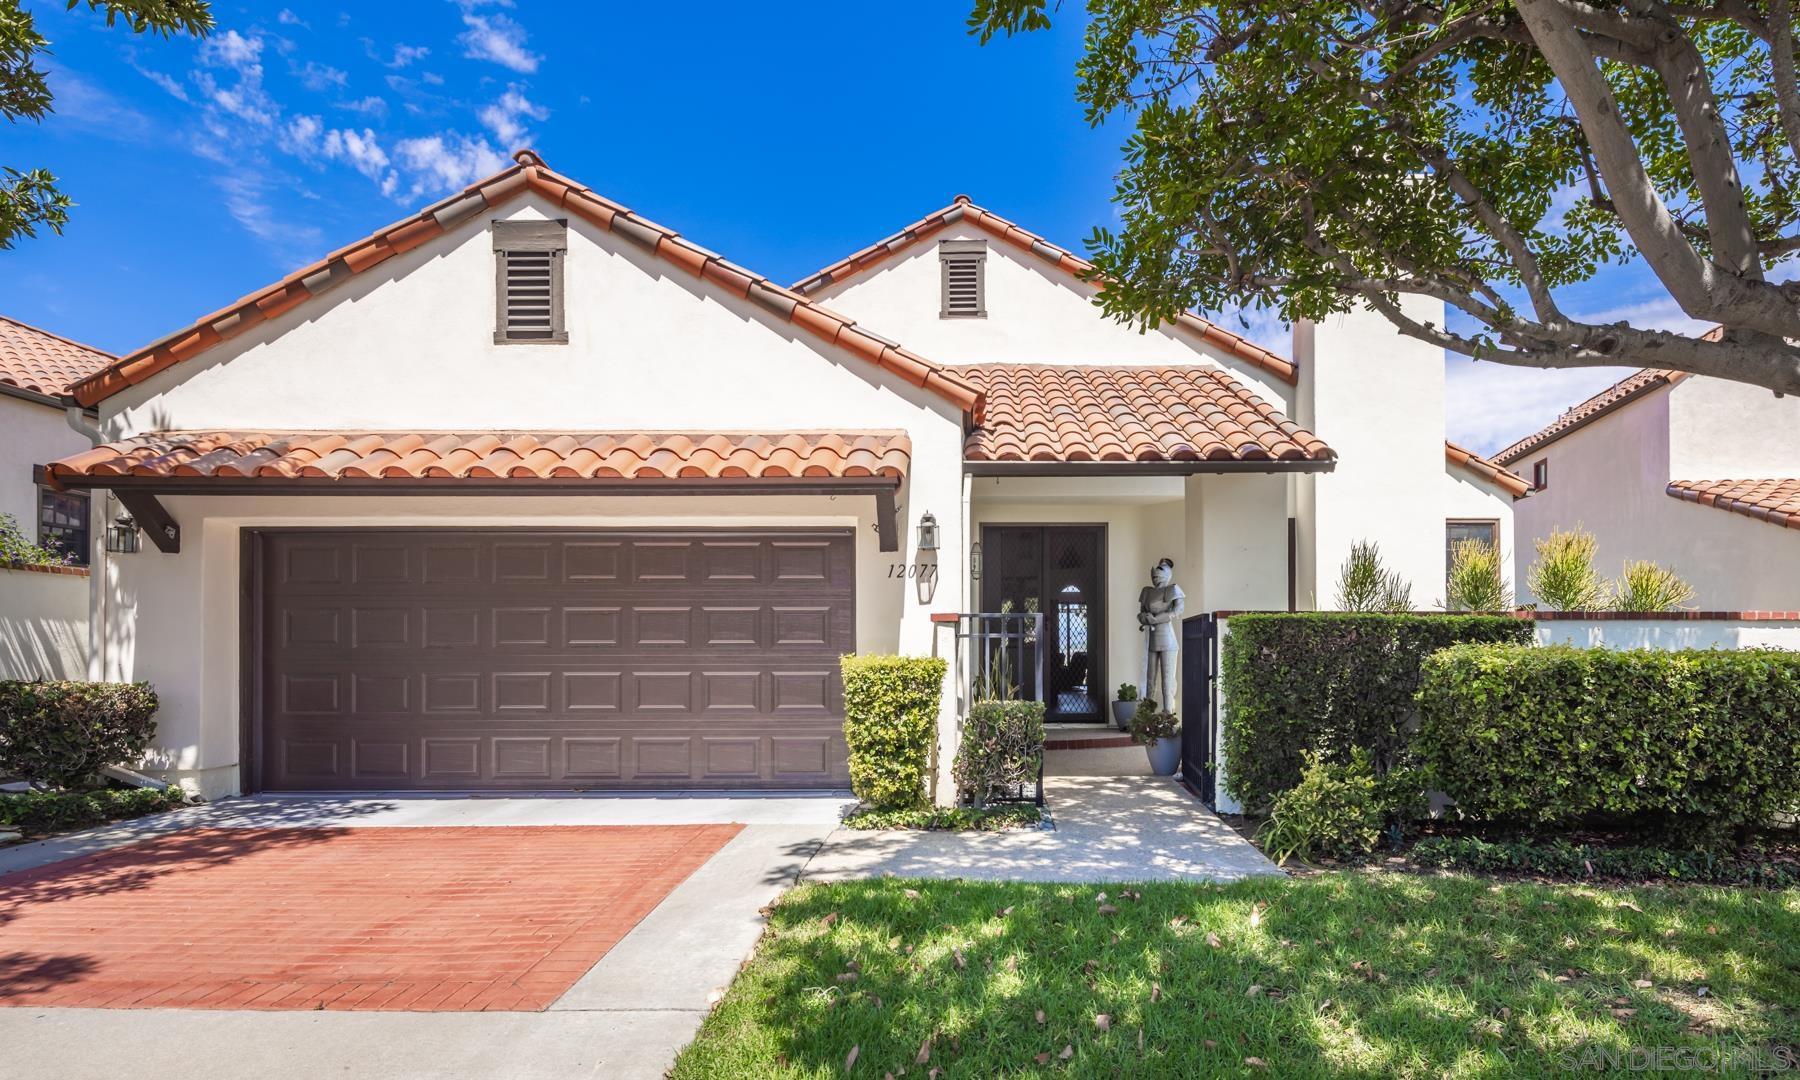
[
  {"x": 1721, "y": 430},
  {"x": 409, "y": 346},
  {"x": 43, "y": 624},
  {"x": 30, "y": 434},
  {"x": 1611, "y": 478},
  {"x": 1035, "y": 315},
  {"x": 1468, "y": 498}
]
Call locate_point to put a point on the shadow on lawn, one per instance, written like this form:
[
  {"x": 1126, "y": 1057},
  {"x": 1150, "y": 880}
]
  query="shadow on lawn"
[{"x": 1346, "y": 974}]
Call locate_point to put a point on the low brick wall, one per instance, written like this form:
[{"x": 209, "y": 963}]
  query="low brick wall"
[{"x": 43, "y": 622}]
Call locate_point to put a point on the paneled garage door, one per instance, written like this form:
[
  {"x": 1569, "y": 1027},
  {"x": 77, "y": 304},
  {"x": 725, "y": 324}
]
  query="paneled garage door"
[{"x": 526, "y": 659}]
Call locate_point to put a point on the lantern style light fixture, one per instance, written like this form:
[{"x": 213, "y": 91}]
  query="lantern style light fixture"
[
  {"x": 122, "y": 536},
  {"x": 928, "y": 532},
  {"x": 975, "y": 561}
]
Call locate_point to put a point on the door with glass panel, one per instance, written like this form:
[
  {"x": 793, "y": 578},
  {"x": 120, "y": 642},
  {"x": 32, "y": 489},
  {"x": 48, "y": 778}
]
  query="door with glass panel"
[{"x": 1056, "y": 570}]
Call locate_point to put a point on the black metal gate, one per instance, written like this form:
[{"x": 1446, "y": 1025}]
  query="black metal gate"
[{"x": 1199, "y": 714}]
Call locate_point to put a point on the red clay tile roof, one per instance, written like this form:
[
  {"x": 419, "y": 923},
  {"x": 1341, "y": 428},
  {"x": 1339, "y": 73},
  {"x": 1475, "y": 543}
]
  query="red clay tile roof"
[
  {"x": 1067, "y": 261},
  {"x": 1514, "y": 484},
  {"x": 1630, "y": 388},
  {"x": 42, "y": 362},
  {"x": 489, "y": 455},
  {"x": 530, "y": 174},
  {"x": 1774, "y": 501},
  {"x": 1045, "y": 412}
]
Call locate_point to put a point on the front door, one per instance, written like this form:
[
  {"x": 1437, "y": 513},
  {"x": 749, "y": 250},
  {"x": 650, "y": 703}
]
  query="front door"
[{"x": 1056, "y": 570}]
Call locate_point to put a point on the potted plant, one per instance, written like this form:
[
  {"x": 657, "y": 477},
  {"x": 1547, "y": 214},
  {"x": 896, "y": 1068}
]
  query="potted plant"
[
  {"x": 1159, "y": 732},
  {"x": 1124, "y": 705}
]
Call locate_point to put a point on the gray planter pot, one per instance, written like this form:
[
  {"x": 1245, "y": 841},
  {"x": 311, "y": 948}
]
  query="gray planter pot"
[
  {"x": 1122, "y": 712},
  {"x": 1165, "y": 756}
]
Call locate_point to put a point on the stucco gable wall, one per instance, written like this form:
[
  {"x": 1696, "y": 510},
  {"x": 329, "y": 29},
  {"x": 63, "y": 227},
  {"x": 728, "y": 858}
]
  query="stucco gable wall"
[
  {"x": 1036, "y": 314},
  {"x": 1722, "y": 430},
  {"x": 409, "y": 345}
]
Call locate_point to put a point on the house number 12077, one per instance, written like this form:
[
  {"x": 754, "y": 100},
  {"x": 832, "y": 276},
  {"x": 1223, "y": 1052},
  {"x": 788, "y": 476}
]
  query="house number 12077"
[{"x": 921, "y": 571}]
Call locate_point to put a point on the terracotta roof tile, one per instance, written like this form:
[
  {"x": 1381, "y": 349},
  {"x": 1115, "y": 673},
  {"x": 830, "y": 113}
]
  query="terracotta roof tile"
[
  {"x": 1053, "y": 412},
  {"x": 347, "y": 455},
  {"x": 1061, "y": 258},
  {"x": 1774, "y": 501},
  {"x": 1627, "y": 389},
  {"x": 529, "y": 174},
  {"x": 1514, "y": 484},
  {"x": 43, "y": 363}
]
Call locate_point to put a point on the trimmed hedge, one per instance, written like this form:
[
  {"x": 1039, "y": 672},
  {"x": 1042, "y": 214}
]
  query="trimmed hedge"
[
  {"x": 64, "y": 733},
  {"x": 1329, "y": 683},
  {"x": 35, "y": 813},
  {"x": 890, "y": 724},
  {"x": 1580, "y": 862},
  {"x": 949, "y": 818},
  {"x": 1002, "y": 747},
  {"x": 1697, "y": 740}
]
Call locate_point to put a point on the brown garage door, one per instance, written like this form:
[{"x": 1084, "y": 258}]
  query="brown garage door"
[{"x": 527, "y": 659}]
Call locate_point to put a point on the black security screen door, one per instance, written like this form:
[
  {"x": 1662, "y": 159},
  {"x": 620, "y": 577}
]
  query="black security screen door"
[{"x": 1054, "y": 569}]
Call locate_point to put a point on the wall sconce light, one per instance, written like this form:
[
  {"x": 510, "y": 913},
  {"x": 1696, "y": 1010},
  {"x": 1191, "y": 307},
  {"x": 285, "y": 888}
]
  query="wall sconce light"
[
  {"x": 975, "y": 561},
  {"x": 928, "y": 533},
  {"x": 122, "y": 536}
]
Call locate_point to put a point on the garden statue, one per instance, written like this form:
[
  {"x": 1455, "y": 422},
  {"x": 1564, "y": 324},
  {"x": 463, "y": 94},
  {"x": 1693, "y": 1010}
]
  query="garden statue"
[{"x": 1159, "y": 615}]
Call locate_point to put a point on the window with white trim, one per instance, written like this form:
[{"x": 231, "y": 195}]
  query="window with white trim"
[
  {"x": 528, "y": 282},
  {"x": 964, "y": 269}
]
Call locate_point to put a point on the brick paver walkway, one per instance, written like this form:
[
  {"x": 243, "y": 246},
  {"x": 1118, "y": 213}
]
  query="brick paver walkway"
[{"x": 421, "y": 919}]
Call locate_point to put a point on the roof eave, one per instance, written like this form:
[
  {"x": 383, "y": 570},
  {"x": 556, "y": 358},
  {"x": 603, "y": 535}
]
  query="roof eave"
[{"x": 976, "y": 467}]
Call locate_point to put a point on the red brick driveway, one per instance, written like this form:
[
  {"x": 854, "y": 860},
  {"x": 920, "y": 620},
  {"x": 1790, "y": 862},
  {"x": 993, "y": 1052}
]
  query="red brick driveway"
[{"x": 420, "y": 919}]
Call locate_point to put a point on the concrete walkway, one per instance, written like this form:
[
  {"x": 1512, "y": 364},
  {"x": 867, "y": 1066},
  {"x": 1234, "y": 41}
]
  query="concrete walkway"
[{"x": 1108, "y": 828}]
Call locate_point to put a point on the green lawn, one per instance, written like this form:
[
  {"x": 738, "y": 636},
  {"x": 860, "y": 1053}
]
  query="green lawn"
[{"x": 1337, "y": 974}]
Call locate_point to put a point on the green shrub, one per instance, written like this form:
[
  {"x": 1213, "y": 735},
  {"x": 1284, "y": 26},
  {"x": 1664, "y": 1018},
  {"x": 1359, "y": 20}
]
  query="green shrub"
[
  {"x": 1128, "y": 692},
  {"x": 1364, "y": 584},
  {"x": 949, "y": 818},
  {"x": 1328, "y": 683},
  {"x": 1002, "y": 747},
  {"x": 1334, "y": 810},
  {"x": 1151, "y": 724},
  {"x": 64, "y": 733},
  {"x": 36, "y": 813},
  {"x": 1477, "y": 578},
  {"x": 890, "y": 724},
  {"x": 1645, "y": 586},
  {"x": 1561, "y": 859},
  {"x": 1563, "y": 577},
  {"x": 1703, "y": 739},
  {"x": 19, "y": 549}
]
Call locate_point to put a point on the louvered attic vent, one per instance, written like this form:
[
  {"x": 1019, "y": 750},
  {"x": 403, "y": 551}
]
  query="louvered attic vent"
[
  {"x": 964, "y": 273},
  {"x": 529, "y": 281}
]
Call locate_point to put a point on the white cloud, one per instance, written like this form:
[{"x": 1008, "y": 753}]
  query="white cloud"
[
  {"x": 448, "y": 161},
  {"x": 359, "y": 150},
  {"x": 505, "y": 117},
  {"x": 169, "y": 84},
  {"x": 316, "y": 76},
  {"x": 246, "y": 200},
  {"x": 407, "y": 54},
  {"x": 1489, "y": 406},
  {"x": 431, "y": 78},
  {"x": 499, "y": 39},
  {"x": 231, "y": 49},
  {"x": 288, "y": 18},
  {"x": 368, "y": 106},
  {"x": 245, "y": 99},
  {"x": 301, "y": 136}
]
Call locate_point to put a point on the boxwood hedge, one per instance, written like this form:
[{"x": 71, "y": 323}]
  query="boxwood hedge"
[
  {"x": 1329, "y": 683},
  {"x": 64, "y": 733},
  {"x": 1553, "y": 735},
  {"x": 890, "y": 724}
]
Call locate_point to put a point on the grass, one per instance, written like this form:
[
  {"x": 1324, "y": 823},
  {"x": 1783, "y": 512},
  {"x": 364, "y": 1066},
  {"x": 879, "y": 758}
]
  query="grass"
[
  {"x": 949, "y": 818},
  {"x": 1356, "y": 974}
]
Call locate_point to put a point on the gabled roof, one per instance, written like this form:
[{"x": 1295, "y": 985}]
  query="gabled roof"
[
  {"x": 1514, "y": 484},
  {"x": 1626, "y": 390},
  {"x": 43, "y": 363},
  {"x": 529, "y": 174},
  {"x": 1067, "y": 261},
  {"x": 1193, "y": 414},
  {"x": 350, "y": 455},
  {"x": 1774, "y": 501}
]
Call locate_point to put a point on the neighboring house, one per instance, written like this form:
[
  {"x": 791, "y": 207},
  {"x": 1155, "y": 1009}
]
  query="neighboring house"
[
  {"x": 526, "y": 491},
  {"x": 43, "y": 611},
  {"x": 1698, "y": 474}
]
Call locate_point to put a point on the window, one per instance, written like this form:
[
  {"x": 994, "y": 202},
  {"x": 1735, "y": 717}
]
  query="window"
[
  {"x": 1455, "y": 532},
  {"x": 528, "y": 257},
  {"x": 63, "y": 523},
  {"x": 1540, "y": 474},
  {"x": 964, "y": 278}
]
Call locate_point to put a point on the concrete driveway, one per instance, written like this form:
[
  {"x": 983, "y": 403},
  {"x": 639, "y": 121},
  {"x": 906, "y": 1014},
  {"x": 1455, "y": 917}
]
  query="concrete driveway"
[{"x": 445, "y": 896}]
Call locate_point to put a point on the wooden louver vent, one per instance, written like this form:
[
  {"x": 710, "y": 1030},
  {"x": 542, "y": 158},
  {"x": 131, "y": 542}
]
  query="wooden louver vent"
[
  {"x": 962, "y": 289},
  {"x": 529, "y": 282}
]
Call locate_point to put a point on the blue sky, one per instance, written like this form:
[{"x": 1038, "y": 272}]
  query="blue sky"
[{"x": 784, "y": 136}]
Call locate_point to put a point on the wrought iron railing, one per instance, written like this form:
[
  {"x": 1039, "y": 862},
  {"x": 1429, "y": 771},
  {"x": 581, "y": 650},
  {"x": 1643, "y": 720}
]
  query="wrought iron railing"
[{"x": 1000, "y": 656}]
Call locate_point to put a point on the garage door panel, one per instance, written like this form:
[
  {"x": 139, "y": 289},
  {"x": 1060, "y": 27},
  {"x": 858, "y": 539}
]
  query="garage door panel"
[{"x": 513, "y": 659}]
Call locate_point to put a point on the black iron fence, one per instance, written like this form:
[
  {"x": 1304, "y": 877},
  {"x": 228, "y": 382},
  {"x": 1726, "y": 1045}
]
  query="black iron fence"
[
  {"x": 1199, "y": 704},
  {"x": 1000, "y": 657}
]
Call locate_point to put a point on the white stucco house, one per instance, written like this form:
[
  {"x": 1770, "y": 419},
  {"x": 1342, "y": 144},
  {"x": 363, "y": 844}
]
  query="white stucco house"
[
  {"x": 529, "y": 492},
  {"x": 1698, "y": 474},
  {"x": 43, "y": 609}
]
